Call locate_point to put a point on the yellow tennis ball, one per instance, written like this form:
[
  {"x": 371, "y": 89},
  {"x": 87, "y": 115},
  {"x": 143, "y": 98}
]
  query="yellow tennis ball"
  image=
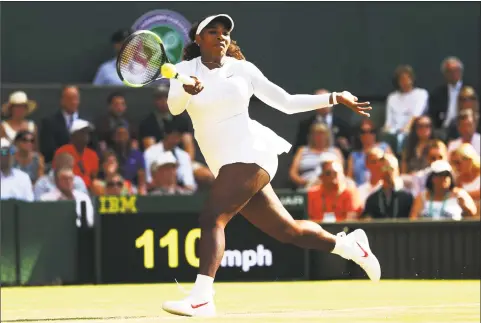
[{"x": 168, "y": 70}]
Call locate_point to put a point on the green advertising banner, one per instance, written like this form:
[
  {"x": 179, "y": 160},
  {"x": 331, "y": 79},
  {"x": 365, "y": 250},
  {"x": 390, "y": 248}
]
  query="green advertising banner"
[{"x": 38, "y": 243}]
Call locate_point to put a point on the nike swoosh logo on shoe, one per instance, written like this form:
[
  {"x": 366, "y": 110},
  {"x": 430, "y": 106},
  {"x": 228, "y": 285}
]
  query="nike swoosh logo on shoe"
[
  {"x": 198, "y": 305},
  {"x": 365, "y": 252}
]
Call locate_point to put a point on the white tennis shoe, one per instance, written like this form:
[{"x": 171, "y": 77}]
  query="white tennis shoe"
[
  {"x": 357, "y": 249},
  {"x": 191, "y": 306}
]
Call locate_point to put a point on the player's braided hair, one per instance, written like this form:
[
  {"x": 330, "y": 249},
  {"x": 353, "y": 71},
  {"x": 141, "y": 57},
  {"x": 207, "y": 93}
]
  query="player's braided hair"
[{"x": 192, "y": 50}]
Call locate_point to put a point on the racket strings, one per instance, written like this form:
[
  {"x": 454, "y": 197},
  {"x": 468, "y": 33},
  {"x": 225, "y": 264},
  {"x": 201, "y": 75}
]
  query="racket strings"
[{"x": 141, "y": 59}]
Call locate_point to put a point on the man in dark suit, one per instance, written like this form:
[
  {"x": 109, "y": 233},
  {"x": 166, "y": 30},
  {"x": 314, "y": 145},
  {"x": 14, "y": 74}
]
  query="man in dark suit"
[
  {"x": 442, "y": 104},
  {"x": 54, "y": 130},
  {"x": 339, "y": 126}
]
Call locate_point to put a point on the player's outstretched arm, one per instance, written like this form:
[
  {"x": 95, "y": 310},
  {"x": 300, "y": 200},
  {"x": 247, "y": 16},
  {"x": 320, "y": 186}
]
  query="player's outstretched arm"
[
  {"x": 178, "y": 98},
  {"x": 279, "y": 99}
]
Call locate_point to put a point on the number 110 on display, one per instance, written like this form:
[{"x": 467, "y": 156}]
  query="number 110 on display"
[{"x": 171, "y": 242}]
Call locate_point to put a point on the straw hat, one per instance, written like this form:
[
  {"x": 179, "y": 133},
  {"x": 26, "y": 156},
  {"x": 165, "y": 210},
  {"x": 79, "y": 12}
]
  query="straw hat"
[{"x": 19, "y": 97}]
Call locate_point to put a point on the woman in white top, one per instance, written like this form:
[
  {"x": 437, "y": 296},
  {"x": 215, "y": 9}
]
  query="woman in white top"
[
  {"x": 466, "y": 163},
  {"x": 242, "y": 154},
  {"x": 405, "y": 103},
  {"x": 442, "y": 200}
]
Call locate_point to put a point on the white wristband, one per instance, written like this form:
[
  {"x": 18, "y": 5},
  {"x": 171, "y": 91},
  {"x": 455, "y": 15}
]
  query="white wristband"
[{"x": 334, "y": 99}]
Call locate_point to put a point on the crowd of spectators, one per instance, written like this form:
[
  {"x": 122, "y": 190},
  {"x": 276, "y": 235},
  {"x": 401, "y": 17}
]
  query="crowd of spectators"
[{"x": 424, "y": 162}]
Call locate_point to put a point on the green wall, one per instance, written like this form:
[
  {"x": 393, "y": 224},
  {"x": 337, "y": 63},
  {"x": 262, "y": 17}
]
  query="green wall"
[{"x": 339, "y": 45}]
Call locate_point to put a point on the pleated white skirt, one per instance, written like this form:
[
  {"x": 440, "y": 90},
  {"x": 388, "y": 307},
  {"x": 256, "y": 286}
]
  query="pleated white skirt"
[{"x": 241, "y": 140}]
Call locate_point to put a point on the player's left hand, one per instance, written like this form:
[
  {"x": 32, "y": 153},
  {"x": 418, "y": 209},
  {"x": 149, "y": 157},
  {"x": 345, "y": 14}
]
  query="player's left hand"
[{"x": 351, "y": 101}]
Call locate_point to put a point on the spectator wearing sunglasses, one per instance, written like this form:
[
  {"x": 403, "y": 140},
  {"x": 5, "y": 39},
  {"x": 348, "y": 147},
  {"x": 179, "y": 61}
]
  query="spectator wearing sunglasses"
[
  {"x": 433, "y": 151},
  {"x": 467, "y": 132},
  {"x": 467, "y": 101},
  {"x": 26, "y": 158},
  {"x": 15, "y": 183},
  {"x": 333, "y": 200},
  {"x": 442, "y": 200},
  {"x": 420, "y": 134},
  {"x": 116, "y": 185},
  {"x": 86, "y": 160},
  {"x": 365, "y": 140},
  {"x": 390, "y": 200},
  {"x": 108, "y": 171}
]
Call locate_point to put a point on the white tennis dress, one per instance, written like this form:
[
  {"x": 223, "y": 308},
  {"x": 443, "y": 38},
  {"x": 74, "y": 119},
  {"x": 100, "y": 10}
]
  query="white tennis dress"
[{"x": 222, "y": 126}]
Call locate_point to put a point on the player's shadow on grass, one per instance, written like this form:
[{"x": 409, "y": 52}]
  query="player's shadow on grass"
[{"x": 76, "y": 319}]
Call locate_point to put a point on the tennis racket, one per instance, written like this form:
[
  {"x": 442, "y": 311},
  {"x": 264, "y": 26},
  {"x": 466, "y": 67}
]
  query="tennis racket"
[{"x": 143, "y": 60}]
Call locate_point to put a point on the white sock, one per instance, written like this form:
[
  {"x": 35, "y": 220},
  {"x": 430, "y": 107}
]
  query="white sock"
[
  {"x": 340, "y": 247},
  {"x": 204, "y": 287}
]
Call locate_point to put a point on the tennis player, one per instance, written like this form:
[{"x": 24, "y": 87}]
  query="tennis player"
[{"x": 242, "y": 154}]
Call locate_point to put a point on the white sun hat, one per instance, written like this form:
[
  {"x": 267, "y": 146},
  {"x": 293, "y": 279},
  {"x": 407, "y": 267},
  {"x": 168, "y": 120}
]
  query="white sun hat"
[{"x": 19, "y": 98}]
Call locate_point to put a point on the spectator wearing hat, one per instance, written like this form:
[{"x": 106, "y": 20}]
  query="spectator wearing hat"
[
  {"x": 131, "y": 160},
  {"x": 152, "y": 130},
  {"x": 15, "y": 183},
  {"x": 442, "y": 199},
  {"x": 16, "y": 111},
  {"x": 46, "y": 183},
  {"x": 65, "y": 191},
  {"x": 106, "y": 124},
  {"x": 333, "y": 200},
  {"x": 170, "y": 142},
  {"x": 26, "y": 158},
  {"x": 107, "y": 72},
  {"x": 86, "y": 163},
  {"x": 390, "y": 200},
  {"x": 164, "y": 176},
  {"x": 55, "y": 130}
]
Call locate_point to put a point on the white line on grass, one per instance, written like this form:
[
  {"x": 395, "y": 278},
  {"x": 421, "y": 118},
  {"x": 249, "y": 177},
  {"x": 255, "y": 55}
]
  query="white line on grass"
[{"x": 324, "y": 313}]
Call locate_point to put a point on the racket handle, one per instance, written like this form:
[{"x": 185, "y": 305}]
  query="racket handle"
[{"x": 186, "y": 80}]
